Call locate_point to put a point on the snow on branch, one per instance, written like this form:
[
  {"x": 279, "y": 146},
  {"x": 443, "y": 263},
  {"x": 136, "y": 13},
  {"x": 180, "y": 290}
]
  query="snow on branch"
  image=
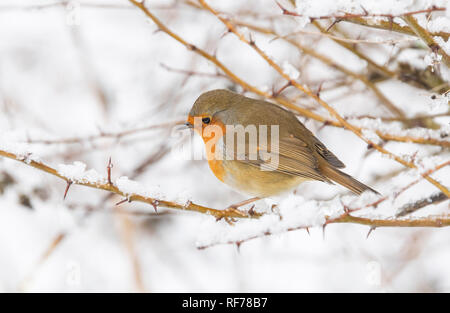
[{"x": 129, "y": 189}]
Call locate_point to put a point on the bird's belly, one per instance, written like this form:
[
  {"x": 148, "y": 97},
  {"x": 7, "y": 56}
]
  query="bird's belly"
[{"x": 251, "y": 180}]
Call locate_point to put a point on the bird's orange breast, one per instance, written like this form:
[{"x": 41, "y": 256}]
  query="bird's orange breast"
[{"x": 212, "y": 137}]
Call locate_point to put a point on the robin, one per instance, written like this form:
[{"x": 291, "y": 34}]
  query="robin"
[{"x": 289, "y": 154}]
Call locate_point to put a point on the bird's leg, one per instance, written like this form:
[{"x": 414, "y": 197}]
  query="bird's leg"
[
  {"x": 242, "y": 203},
  {"x": 234, "y": 207}
]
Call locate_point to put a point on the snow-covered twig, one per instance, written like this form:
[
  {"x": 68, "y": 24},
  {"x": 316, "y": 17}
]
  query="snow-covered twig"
[
  {"x": 130, "y": 190},
  {"x": 412, "y": 207}
]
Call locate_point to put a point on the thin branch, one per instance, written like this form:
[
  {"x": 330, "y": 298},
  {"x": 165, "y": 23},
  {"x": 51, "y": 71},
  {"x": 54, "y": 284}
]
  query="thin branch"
[
  {"x": 346, "y": 15},
  {"x": 391, "y": 26}
]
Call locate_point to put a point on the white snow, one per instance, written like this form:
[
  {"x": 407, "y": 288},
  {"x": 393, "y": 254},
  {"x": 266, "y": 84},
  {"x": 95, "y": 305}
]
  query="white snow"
[
  {"x": 130, "y": 187},
  {"x": 77, "y": 172},
  {"x": 290, "y": 70}
]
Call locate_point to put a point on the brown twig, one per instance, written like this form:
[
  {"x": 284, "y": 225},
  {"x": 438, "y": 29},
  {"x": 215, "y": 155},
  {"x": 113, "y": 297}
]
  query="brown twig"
[
  {"x": 391, "y": 26},
  {"x": 417, "y": 205}
]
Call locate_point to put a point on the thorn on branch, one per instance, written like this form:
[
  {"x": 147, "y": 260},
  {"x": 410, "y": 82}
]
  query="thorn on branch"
[
  {"x": 251, "y": 211},
  {"x": 277, "y": 93},
  {"x": 323, "y": 230},
  {"x": 345, "y": 207},
  {"x": 434, "y": 47},
  {"x": 319, "y": 90},
  {"x": 337, "y": 20},
  {"x": 123, "y": 201},
  {"x": 238, "y": 246},
  {"x": 155, "y": 204},
  {"x": 372, "y": 228},
  {"x": 365, "y": 11},
  {"x": 108, "y": 168},
  {"x": 252, "y": 41},
  {"x": 284, "y": 10},
  {"x": 187, "y": 204},
  {"x": 225, "y": 33},
  {"x": 69, "y": 183},
  {"x": 413, "y": 157},
  {"x": 325, "y": 123}
]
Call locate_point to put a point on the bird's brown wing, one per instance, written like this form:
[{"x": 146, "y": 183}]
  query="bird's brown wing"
[
  {"x": 294, "y": 158},
  {"x": 327, "y": 154}
]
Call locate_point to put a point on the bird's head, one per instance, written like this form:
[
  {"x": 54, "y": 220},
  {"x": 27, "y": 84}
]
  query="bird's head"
[{"x": 211, "y": 110}]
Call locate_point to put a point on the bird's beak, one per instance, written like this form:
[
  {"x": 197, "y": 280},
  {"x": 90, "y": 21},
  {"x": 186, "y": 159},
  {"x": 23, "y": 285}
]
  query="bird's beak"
[{"x": 189, "y": 122}]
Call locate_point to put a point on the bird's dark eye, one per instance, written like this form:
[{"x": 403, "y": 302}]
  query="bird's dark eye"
[{"x": 206, "y": 120}]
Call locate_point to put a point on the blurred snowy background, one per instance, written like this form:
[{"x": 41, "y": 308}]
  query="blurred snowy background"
[{"x": 74, "y": 75}]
